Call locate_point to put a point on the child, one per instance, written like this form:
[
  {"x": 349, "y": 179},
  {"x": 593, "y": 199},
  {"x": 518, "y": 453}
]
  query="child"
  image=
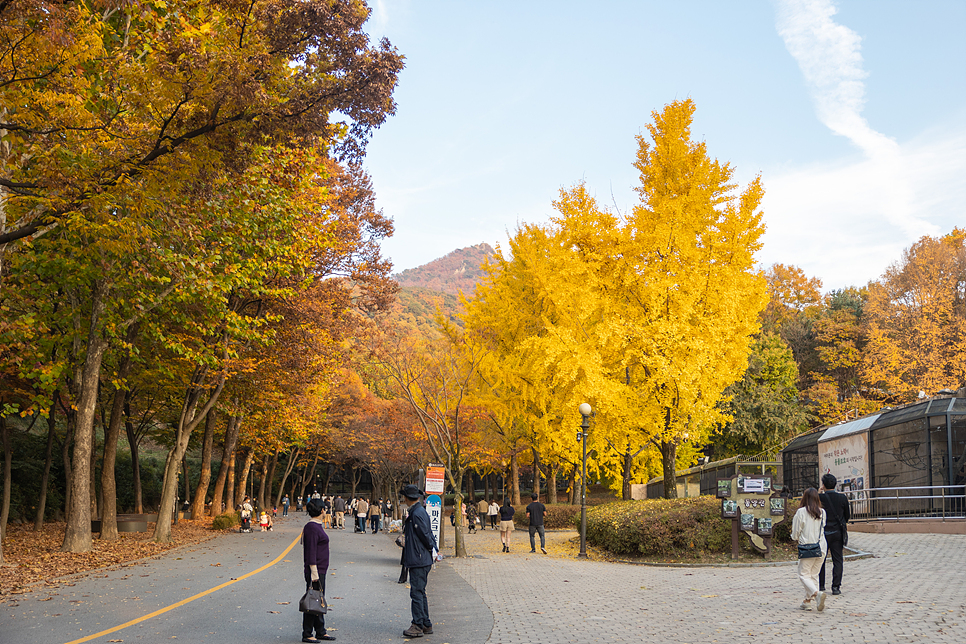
[{"x": 265, "y": 522}]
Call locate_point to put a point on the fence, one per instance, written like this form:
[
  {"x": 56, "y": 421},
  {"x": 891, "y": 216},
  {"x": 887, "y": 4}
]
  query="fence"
[{"x": 898, "y": 503}]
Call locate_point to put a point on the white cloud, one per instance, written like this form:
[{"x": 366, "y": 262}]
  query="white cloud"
[{"x": 829, "y": 55}]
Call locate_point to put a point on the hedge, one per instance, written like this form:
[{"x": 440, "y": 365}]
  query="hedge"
[
  {"x": 557, "y": 517},
  {"x": 225, "y": 521},
  {"x": 661, "y": 527}
]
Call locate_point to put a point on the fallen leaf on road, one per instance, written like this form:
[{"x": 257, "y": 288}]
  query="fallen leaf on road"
[
  {"x": 274, "y": 612},
  {"x": 857, "y": 614},
  {"x": 283, "y": 603},
  {"x": 709, "y": 595}
]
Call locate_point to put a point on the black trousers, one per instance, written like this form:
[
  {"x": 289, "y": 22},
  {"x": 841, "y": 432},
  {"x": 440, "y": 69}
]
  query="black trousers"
[
  {"x": 310, "y": 621},
  {"x": 834, "y": 541}
]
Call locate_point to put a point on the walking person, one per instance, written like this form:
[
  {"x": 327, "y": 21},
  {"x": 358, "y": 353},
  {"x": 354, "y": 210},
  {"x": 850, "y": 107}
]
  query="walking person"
[
  {"x": 338, "y": 508},
  {"x": 506, "y": 523},
  {"x": 418, "y": 558},
  {"x": 536, "y": 512},
  {"x": 808, "y": 528},
  {"x": 471, "y": 516},
  {"x": 836, "y": 507},
  {"x": 493, "y": 512},
  {"x": 482, "y": 509},
  {"x": 285, "y": 504},
  {"x": 315, "y": 555}
]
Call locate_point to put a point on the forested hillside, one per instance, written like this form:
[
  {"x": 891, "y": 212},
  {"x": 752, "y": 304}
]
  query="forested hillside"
[{"x": 452, "y": 273}]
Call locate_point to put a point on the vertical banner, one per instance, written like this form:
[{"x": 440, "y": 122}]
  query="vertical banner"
[
  {"x": 434, "y": 506},
  {"x": 847, "y": 458}
]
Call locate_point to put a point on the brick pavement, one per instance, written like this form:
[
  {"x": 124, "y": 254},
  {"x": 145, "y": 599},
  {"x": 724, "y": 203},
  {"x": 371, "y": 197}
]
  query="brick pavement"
[{"x": 914, "y": 590}]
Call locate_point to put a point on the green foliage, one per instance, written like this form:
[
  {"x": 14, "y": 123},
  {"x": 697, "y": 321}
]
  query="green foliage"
[
  {"x": 561, "y": 516},
  {"x": 679, "y": 527},
  {"x": 225, "y": 521}
]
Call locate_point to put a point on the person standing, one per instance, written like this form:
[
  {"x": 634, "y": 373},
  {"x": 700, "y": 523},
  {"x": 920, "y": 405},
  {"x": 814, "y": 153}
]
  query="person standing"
[
  {"x": 808, "y": 528},
  {"x": 493, "y": 511},
  {"x": 506, "y": 523},
  {"x": 375, "y": 513},
  {"x": 536, "y": 512},
  {"x": 482, "y": 509},
  {"x": 285, "y": 504},
  {"x": 338, "y": 508},
  {"x": 362, "y": 511},
  {"x": 471, "y": 516},
  {"x": 417, "y": 557},
  {"x": 315, "y": 555},
  {"x": 836, "y": 507}
]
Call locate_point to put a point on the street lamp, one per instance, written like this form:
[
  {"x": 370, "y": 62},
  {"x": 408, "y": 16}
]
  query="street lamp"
[{"x": 585, "y": 411}]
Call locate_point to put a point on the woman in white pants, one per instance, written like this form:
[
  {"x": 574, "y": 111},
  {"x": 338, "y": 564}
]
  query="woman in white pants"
[{"x": 808, "y": 528}]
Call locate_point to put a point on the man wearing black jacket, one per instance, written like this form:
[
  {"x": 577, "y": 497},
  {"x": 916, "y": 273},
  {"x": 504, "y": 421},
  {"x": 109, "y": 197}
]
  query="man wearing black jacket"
[
  {"x": 418, "y": 558},
  {"x": 837, "y": 516}
]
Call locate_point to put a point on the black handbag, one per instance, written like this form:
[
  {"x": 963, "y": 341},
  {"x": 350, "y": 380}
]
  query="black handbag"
[
  {"x": 809, "y": 550},
  {"x": 313, "y": 602}
]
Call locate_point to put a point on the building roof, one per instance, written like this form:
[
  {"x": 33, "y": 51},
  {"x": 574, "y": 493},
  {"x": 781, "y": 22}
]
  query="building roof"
[{"x": 851, "y": 427}]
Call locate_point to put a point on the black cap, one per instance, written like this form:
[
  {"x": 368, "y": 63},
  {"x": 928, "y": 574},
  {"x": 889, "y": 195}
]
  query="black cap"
[{"x": 410, "y": 492}]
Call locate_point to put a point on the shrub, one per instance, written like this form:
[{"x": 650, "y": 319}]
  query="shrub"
[
  {"x": 558, "y": 517},
  {"x": 225, "y": 521},
  {"x": 660, "y": 527}
]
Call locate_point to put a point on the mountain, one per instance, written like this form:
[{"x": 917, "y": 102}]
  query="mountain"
[{"x": 455, "y": 272}]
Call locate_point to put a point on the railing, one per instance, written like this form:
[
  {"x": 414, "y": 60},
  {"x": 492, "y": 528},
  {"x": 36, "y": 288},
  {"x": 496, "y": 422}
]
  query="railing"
[{"x": 904, "y": 503}]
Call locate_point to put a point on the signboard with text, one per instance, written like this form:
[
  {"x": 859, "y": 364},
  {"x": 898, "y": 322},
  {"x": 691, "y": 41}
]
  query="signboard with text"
[
  {"x": 754, "y": 509},
  {"x": 847, "y": 458},
  {"x": 435, "y": 479}
]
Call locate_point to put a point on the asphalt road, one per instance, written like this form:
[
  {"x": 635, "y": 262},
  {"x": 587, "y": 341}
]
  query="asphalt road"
[{"x": 210, "y": 599}]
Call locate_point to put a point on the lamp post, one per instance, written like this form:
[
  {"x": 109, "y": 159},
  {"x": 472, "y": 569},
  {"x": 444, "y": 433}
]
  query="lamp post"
[{"x": 585, "y": 411}]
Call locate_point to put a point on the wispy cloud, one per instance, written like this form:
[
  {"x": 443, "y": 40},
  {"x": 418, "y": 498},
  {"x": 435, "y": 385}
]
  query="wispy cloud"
[{"x": 829, "y": 55}]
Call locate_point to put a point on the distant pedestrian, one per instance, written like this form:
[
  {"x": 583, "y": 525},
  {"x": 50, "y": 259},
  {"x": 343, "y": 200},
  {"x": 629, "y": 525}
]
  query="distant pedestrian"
[
  {"x": 493, "y": 512},
  {"x": 338, "y": 508},
  {"x": 506, "y": 523},
  {"x": 315, "y": 555},
  {"x": 362, "y": 511},
  {"x": 471, "y": 516},
  {"x": 837, "y": 512},
  {"x": 482, "y": 508},
  {"x": 418, "y": 558},
  {"x": 536, "y": 512},
  {"x": 285, "y": 504},
  {"x": 375, "y": 514},
  {"x": 808, "y": 528}
]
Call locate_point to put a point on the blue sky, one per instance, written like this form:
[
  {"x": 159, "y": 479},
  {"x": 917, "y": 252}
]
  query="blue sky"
[{"x": 853, "y": 112}]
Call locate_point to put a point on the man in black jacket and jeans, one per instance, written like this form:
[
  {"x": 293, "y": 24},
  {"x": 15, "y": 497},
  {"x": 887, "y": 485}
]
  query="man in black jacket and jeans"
[
  {"x": 837, "y": 516},
  {"x": 418, "y": 558}
]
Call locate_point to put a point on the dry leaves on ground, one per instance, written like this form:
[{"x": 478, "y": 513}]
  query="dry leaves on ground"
[{"x": 34, "y": 559}]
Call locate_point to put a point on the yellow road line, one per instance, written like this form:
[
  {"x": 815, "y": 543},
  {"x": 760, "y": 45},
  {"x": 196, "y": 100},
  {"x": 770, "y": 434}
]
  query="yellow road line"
[{"x": 188, "y": 600}]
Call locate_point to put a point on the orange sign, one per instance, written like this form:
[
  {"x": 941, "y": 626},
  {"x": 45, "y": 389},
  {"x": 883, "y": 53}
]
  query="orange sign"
[{"x": 435, "y": 479}]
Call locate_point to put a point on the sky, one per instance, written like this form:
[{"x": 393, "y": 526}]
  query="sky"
[{"x": 852, "y": 112}]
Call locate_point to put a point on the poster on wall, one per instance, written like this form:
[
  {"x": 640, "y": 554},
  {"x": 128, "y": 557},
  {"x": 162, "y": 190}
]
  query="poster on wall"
[
  {"x": 435, "y": 479},
  {"x": 847, "y": 459}
]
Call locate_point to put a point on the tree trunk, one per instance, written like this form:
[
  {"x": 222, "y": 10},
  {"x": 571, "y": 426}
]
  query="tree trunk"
[
  {"x": 552, "y": 483},
  {"x": 270, "y": 484},
  {"x": 626, "y": 475},
  {"x": 514, "y": 479},
  {"x": 469, "y": 487},
  {"x": 190, "y": 418},
  {"x": 77, "y": 536},
  {"x": 327, "y": 479},
  {"x": 48, "y": 461},
  {"x": 288, "y": 470},
  {"x": 7, "y": 481},
  {"x": 241, "y": 483},
  {"x": 93, "y": 474},
  {"x": 108, "y": 480},
  {"x": 536, "y": 472},
  {"x": 668, "y": 459},
  {"x": 132, "y": 442},
  {"x": 230, "y": 501},
  {"x": 226, "y": 473},
  {"x": 204, "y": 477},
  {"x": 573, "y": 485},
  {"x": 261, "y": 483},
  {"x": 356, "y": 477},
  {"x": 309, "y": 472}
]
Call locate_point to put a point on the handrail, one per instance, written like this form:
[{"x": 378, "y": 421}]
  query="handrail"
[{"x": 905, "y": 503}]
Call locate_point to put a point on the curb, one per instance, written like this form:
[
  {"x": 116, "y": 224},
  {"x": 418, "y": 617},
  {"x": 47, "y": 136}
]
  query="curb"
[{"x": 857, "y": 554}]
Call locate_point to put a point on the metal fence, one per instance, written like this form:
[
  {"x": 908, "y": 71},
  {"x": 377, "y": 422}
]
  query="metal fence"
[{"x": 898, "y": 503}]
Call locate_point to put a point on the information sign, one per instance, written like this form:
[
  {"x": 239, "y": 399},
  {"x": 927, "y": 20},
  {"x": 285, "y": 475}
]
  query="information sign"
[
  {"x": 434, "y": 506},
  {"x": 750, "y": 511},
  {"x": 435, "y": 479}
]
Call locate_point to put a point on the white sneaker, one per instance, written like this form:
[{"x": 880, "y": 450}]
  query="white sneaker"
[
  {"x": 804, "y": 606},
  {"x": 821, "y": 601}
]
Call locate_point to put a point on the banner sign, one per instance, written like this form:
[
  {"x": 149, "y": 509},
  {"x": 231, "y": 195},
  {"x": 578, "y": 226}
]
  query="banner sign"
[
  {"x": 847, "y": 458},
  {"x": 434, "y": 506},
  {"x": 435, "y": 479}
]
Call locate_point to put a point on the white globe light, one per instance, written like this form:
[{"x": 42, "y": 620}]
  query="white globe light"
[{"x": 585, "y": 409}]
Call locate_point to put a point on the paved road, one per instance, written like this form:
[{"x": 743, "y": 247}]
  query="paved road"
[
  {"x": 367, "y": 603},
  {"x": 913, "y": 591}
]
